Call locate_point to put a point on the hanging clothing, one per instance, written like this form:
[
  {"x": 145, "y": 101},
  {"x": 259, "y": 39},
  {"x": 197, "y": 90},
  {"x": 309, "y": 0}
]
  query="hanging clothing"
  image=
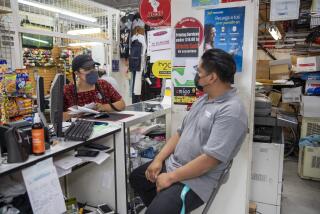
[
  {"x": 138, "y": 23},
  {"x": 124, "y": 42},
  {"x": 137, "y": 80}
]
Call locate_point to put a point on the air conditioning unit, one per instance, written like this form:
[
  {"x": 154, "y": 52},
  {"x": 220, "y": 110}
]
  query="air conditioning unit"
[
  {"x": 310, "y": 126},
  {"x": 309, "y": 163}
]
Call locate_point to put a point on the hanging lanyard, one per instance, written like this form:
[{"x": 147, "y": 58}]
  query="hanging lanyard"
[{"x": 184, "y": 192}]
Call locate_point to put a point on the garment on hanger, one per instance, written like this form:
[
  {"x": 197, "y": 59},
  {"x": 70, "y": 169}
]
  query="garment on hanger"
[
  {"x": 124, "y": 42},
  {"x": 138, "y": 23},
  {"x": 137, "y": 73}
]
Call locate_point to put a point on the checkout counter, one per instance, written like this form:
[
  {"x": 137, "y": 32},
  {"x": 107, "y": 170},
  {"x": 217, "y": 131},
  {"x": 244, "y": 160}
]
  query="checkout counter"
[{"x": 106, "y": 182}]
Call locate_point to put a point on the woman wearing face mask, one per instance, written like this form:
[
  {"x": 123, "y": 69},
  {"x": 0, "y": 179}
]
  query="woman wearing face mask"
[{"x": 88, "y": 88}]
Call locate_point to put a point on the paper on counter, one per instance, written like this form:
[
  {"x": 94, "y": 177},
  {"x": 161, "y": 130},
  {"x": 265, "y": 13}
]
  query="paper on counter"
[
  {"x": 63, "y": 172},
  {"x": 43, "y": 188},
  {"x": 83, "y": 109},
  {"x": 67, "y": 162},
  {"x": 101, "y": 157}
]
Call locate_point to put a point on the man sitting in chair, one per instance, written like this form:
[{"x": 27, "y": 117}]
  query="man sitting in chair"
[{"x": 192, "y": 161}]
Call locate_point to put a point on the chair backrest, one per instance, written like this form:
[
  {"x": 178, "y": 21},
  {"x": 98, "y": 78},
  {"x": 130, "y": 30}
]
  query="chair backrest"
[{"x": 222, "y": 180}]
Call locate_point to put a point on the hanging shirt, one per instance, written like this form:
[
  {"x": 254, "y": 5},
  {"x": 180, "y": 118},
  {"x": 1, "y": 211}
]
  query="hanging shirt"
[{"x": 142, "y": 40}]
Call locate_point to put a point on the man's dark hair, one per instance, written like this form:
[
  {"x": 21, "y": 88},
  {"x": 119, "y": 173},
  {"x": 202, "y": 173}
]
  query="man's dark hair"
[{"x": 221, "y": 63}]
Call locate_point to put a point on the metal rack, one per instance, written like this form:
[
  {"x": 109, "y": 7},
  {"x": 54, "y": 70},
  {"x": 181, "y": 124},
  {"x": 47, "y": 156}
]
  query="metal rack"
[{"x": 6, "y": 33}]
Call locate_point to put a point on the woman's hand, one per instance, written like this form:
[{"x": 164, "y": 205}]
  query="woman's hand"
[{"x": 102, "y": 107}]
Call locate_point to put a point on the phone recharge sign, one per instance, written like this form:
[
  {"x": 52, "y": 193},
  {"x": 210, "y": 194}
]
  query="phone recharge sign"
[
  {"x": 162, "y": 69},
  {"x": 156, "y": 12}
]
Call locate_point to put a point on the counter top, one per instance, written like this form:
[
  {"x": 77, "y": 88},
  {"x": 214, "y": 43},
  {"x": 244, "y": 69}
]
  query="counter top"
[{"x": 61, "y": 147}]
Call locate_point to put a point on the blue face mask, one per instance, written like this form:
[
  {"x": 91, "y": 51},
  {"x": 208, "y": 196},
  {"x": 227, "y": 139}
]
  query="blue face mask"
[{"x": 92, "y": 77}]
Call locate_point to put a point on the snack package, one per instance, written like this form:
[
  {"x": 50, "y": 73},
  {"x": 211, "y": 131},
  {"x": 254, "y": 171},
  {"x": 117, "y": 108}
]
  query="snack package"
[
  {"x": 12, "y": 108},
  {"x": 10, "y": 83},
  {"x": 21, "y": 81},
  {"x": 3, "y": 66}
]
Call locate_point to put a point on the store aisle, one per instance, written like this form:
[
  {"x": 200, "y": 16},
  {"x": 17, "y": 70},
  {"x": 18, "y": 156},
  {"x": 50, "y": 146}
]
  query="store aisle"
[{"x": 299, "y": 196}]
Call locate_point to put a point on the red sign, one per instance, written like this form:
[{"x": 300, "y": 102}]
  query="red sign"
[
  {"x": 155, "y": 12},
  {"x": 190, "y": 22}
]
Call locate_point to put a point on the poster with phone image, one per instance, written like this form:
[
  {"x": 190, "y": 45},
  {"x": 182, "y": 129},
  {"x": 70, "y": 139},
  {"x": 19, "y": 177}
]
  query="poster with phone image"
[{"x": 224, "y": 29}]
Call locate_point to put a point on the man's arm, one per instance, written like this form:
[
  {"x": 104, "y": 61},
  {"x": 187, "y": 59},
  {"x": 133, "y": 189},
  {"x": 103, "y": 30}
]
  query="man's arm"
[
  {"x": 169, "y": 148},
  {"x": 195, "y": 168},
  {"x": 155, "y": 167}
]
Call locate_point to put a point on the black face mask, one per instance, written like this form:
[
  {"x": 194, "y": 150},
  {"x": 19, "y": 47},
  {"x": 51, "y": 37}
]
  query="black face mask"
[{"x": 196, "y": 82}]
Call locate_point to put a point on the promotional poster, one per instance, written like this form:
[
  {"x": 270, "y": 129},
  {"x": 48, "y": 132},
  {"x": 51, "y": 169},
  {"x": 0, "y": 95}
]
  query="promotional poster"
[
  {"x": 224, "y": 29},
  {"x": 199, "y": 3},
  {"x": 187, "y": 42}
]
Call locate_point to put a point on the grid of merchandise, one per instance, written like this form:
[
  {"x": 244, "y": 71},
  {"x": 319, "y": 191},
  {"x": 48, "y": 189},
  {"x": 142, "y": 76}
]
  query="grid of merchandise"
[
  {"x": 16, "y": 91},
  {"x": 292, "y": 87},
  {"x": 146, "y": 141}
]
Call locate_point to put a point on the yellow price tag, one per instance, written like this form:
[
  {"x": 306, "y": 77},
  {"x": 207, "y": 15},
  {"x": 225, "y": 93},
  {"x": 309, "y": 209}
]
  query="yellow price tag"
[{"x": 162, "y": 69}]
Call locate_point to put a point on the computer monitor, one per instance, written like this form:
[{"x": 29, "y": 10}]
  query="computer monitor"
[
  {"x": 56, "y": 102},
  {"x": 41, "y": 102}
]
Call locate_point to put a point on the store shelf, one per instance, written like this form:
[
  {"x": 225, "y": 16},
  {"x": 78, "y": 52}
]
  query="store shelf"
[{"x": 5, "y": 10}]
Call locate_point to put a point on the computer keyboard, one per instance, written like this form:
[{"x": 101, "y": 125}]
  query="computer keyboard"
[{"x": 79, "y": 130}]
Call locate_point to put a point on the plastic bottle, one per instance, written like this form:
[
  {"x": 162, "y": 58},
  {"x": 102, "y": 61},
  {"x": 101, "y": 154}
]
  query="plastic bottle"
[{"x": 38, "y": 142}]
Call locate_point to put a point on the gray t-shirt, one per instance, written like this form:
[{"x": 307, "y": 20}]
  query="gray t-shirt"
[{"x": 213, "y": 127}]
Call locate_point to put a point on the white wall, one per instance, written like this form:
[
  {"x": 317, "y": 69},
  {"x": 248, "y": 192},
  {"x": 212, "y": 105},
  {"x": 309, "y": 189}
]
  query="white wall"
[{"x": 233, "y": 196}]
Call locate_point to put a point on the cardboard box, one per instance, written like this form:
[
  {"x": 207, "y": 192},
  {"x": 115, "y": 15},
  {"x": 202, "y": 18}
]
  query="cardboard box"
[
  {"x": 291, "y": 95},
  {"x": 279, "y": 69},
  {"x": 275, "y": 98},
  {"x": 252, "y": 208},
  {"x": 263, "y": 69},
  {"x": 309, "y": 163},
  {"x": 286, "y": 107},
  {"x": 308, "y": 64},
  {"x": 312, "y": 87},
  {"x": 310, "y": 106}
]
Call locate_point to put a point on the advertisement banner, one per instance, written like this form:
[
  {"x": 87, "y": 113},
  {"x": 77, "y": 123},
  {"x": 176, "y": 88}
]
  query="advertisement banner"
[
  {"x": 156, "y": 13},
  {"x": 183, "y": 76},
  {"x": 191, "y": 22},
  {"x": 199, "y": 3},
  {"x": 184, "y": 95},
  {"x": 159, "y": 40},
  {"x": 162, "y": 69},
  {"x": 187, "y": 42},
  {"x": 224, "y": 29}
]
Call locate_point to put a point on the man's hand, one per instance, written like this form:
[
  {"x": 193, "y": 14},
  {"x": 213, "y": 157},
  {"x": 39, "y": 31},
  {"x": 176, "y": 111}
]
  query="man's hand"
[
  {"x": 164, "y": 181},
  {"x": 153, "y": 171}
]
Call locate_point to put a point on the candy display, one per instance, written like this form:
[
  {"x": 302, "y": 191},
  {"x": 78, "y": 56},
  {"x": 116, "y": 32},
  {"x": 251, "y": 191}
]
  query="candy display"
[
  {"x": 34, "y": 57},
  {"x": 15, "y": 87}
]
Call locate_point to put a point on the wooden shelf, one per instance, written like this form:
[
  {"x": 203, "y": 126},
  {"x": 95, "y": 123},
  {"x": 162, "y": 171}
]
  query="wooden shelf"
[{"x": 5, "y": 10}]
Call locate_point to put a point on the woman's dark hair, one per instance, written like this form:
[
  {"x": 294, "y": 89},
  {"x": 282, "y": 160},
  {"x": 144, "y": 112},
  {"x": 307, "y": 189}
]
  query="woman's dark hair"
[
  {"x": 207, "y": 34},
  {"x": 221, "y": 63}
]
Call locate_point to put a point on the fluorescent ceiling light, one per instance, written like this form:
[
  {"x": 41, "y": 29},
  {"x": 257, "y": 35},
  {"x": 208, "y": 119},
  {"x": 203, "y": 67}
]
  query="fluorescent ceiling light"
[
  {"x": 85, "y": 44},
  {"x": 84, "y": 31},
  {"x": 275, "y": 33},
  {"x": 58, "y": 10},
  {"x": 34, "y": 39}
]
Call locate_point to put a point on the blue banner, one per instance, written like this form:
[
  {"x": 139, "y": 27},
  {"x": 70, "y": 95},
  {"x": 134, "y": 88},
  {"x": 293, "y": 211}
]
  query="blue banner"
[
  {"x": 199, "y": 3},
  {"x": 224, "y": 29}
]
